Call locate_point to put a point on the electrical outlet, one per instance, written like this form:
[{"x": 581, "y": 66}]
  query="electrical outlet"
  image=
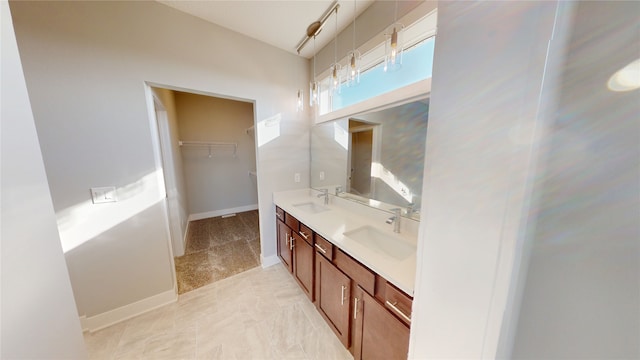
[
  {"x": 103, "y": 194},
  {"x": 296, "y": 177},
  {"x": 321, "y": 175}
]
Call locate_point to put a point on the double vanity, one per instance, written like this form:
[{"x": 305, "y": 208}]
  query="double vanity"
[{"x": 355, "y": 263}]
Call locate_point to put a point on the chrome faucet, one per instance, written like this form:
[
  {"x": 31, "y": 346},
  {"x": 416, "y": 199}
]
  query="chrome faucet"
[
  {"x": 338, "y": 190},
  {"x": 395, "y": 219},
  {"x": 325, "y": 193},
  {"x": 410, "y": 209}
]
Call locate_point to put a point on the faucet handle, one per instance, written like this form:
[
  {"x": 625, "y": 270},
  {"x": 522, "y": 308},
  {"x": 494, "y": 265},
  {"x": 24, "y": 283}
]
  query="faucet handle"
[{"x": 338, "y": 190}]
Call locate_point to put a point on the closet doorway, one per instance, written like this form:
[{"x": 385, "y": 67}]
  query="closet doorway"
[{"x": 209, "y": 164}]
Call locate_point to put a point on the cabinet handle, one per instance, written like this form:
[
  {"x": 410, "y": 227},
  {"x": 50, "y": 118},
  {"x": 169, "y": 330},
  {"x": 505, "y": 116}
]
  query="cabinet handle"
[
  {"x": 324, "y": 251},
  {"x": 291, "y": 245},
  {"x": 286, "y": 239},
  {"x": 398, "y": 311},
  {"x": 303, "y": 234},
  {"x": 279, "y": 216},
  {"x": 342, "y": 299},
  {"x": 355, "y": 308}
]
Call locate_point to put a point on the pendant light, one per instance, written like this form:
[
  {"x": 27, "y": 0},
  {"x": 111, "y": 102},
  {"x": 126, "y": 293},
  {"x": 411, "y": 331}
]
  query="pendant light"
[
  {"x": 393, "y": 44},
  {"x": 314, "y": 87},
  {"x": 353, "y": 58},
  {"x": 336, "y": 69},
  {"x": 300, "y": 101}
]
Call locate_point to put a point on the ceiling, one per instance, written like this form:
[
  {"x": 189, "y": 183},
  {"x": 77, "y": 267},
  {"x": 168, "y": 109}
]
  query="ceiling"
[{"x": 282, "y": 24}]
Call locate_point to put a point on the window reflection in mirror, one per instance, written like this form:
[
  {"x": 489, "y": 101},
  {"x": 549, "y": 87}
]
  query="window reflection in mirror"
[{"x": 376, "y": 158}]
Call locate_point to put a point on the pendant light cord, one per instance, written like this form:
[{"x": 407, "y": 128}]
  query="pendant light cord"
[
  {"x": 335, "y": 41},
  {"x": 354, "y": 25},
  {"x": 395, "y": 13}
]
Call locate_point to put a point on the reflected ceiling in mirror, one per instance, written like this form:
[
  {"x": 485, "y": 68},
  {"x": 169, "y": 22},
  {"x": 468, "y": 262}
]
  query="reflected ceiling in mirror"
[{"x": 376, "y": 158}]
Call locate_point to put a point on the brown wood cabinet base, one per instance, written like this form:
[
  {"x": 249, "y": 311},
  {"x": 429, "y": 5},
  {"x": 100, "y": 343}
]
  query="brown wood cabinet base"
[{"x": 369, "y": 315}]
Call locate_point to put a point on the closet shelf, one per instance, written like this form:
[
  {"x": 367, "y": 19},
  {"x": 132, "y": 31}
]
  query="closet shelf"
[{"x": 215, "y": 147}]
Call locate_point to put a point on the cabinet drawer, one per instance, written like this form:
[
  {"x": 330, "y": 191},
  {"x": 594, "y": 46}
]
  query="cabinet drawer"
[
  {"x": 279, "y": 214},
  {"x": 398, "y": 303},
  {"x": 356, "y": 271},
  {"x": 324, "y": 247},
  {"x": 292, "y": 222},
  {"x": 306, "y": 234}
]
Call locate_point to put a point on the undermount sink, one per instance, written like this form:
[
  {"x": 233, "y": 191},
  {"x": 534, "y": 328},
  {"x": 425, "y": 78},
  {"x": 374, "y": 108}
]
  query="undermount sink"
[
  {"x": 311, "y": 207},
  {"x": 381, "y": 242}
]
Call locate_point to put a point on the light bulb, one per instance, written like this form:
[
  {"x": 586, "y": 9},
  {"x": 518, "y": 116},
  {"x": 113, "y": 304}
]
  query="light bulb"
[
  {"x": 313, "y": 93},
  {"x": 394, "y": 45},
  {"x": 353, "y": 65}
]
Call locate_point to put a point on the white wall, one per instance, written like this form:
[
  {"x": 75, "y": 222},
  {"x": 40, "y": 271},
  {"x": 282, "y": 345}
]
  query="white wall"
[
  {"x": 581, "y": 298},
  {"x": 481, "y": 147},
  {"x": 38, "y": 313},
  {"x": 85, "y": 65},
  {"x": 222, "y": 182}
]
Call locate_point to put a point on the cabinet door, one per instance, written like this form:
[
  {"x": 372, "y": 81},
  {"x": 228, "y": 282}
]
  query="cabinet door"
[
  {"x": 378, "y": 334},
  {"x": 333, "y": 298},
  {"x": 303, "y": 264},
  {"x": 284, "y": 245}
]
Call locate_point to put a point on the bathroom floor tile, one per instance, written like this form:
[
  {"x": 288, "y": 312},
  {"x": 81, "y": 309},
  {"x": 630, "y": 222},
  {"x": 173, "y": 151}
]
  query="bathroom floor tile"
[{"x": 257, "y": 314}]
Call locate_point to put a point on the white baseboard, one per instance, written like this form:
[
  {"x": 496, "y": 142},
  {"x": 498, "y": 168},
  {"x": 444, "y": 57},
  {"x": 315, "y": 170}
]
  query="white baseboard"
[
  {"x": 111, "y": 317},
  {"x": 269, "y": 260},
  {"x": 210, "y": 214}
]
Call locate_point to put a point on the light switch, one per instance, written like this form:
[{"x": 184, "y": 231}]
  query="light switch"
[
  {"x": 296, "y": 177},
  {"x": 321, "y": 175},
  {"x": 103, "y": 194}
]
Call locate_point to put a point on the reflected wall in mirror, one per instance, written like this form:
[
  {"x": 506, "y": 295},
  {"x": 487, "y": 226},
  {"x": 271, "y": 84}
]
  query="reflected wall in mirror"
[{"x": 376, "y": 158}]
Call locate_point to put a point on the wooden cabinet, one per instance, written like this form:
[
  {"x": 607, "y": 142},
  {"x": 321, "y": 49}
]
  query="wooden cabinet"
[
  {"x": 333, "y": 298},
  {"x": 378, "y": 333},
  {"x": 370, "y": 316},
  {"x": 295, "y": 248},
  {"x": 303, "y": 255},
  {"x": 284, "y": 245}
]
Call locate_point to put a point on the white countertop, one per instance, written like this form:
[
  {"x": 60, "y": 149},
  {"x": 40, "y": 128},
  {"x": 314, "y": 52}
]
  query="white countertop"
[{"x": 345, "y": 216}]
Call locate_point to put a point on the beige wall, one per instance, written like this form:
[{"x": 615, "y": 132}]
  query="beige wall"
[{"x": 221, "y": 182}]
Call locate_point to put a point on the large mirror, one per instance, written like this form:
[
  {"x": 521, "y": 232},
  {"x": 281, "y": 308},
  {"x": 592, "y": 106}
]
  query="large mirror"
[{"x": 375, "y": 158}]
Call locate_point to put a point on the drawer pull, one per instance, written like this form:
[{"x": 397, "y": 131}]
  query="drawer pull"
[
  {"x": 279, "y": 216},
  {"x": 398, "y": 311},
  {"x": 355, "y": 308},
  {"x": 324, "y": 251},
  {"x": 302, "y": 233}
]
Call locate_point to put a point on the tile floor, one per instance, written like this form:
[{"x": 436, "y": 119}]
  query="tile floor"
[
  {"x": 258, "y": 314},
  {"x": 218, "y": 248}
]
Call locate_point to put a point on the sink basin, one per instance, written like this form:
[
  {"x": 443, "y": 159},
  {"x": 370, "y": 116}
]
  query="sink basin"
[
  {"x": 311, "y": 207},
  {"x": 381, "y": 242}
]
